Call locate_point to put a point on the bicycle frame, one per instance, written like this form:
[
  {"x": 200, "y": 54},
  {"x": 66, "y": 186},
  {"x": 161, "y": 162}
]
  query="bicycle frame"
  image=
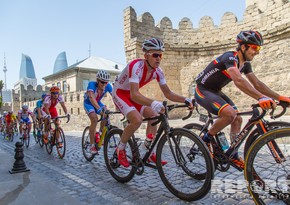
[
  {"x": 256, "y": 120},
  {"x": 163, "y": 129}
]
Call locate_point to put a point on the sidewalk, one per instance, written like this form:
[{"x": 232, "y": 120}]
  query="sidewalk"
[{"x": 28, "y": 188}]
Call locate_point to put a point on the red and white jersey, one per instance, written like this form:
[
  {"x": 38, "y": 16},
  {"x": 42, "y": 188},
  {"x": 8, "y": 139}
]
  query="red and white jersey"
[
  {"x": 135, "y": 72},
  {"x": 47, "y": 101},
  {"x": 26, "y": 115}
]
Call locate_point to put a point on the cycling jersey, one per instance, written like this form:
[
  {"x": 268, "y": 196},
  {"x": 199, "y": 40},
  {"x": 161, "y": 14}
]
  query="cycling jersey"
[
  {"x": 51, "y": 104},
  {"x": 215, "y": 76},
  {"x": 93, "y": 87},
  {"x": 38, "y": 105},
  {"x": 134, "y": 72},
  {"x": 10, "y": 118},
  {"x": 24, "y": 116}
]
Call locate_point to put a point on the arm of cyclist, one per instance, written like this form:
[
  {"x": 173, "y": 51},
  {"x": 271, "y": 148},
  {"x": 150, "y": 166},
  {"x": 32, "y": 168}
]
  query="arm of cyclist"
[
  {"x": 264, "y": 101},
  {"x": 137, "y": 97},
  {"x": 263, "y": 88},
  {"x": 93, "y": 99}
]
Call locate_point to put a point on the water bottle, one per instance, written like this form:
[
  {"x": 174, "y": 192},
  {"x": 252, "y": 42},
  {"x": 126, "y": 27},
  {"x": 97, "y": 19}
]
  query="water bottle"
[
  {"x": 148, "y": 140},
  {"x": 97, "y": 137},
  {"x": 223, "y": 141}
]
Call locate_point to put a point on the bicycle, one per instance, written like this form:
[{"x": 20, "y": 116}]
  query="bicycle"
[
  {"x": 267, "y": 168},
  {"x": 38, "y": 132},
  {"x": 9, "y": 134},
  {"x": 25, "y": 137},
  {"x": 56, "y": 137},
  {"x": 187, "y": 174},
  {"x": 86, "y": 135},
  {"x": 222, "y": 158}
]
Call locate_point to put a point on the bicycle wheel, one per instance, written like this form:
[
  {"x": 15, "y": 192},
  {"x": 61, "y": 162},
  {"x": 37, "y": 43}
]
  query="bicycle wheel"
[
  {"x": 60, "y": 143},
  {"x": 35, "y": 136},
  {"x": 189, "y": 171},
  {"x": 255, "y": 133},
  {"x": 26, "y": 138},
  {"x": 86, "y": 145},
  {"x": 50, "y": 143},
  {"x": 196, "y": 128},
  {"x": 118, "y": 172},
  {"x": 268, "y": 177}
]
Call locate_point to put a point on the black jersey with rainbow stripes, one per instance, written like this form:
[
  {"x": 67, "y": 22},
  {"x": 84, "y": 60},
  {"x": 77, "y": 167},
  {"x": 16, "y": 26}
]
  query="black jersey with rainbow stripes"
[{"x": 215, "y": 76}]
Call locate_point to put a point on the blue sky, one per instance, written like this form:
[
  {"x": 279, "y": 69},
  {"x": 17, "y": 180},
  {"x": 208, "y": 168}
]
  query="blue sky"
[{"x": 42, "y": 29}]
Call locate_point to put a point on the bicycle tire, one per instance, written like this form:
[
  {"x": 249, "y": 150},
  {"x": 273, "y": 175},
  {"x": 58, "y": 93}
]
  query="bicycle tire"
[
  {"x": 35, "y": 136},
  {"x": 255, "y": 133},
  {"x": 260, "y": 165},
  {"x": 41, "y": 142},
  {"x": 49, "y": 144},
  {"x": 60, "y": 143},
  {"x": 196, "y": 128},
  {"x": 26, "y": 139},
  {"x": 197, "y": 163},
  {"x": 118, "y": 172},
  {"x": 86, "y": 145}
]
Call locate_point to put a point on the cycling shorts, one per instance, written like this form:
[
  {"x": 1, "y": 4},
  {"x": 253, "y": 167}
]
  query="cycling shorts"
[
  {"x": 213, "y": 101},
  {"x": 26, "y": 120},
  {"x": 52, "y": 111},
  {"x": 122, "y": 100},
  {"x": 89, "y": 108}
]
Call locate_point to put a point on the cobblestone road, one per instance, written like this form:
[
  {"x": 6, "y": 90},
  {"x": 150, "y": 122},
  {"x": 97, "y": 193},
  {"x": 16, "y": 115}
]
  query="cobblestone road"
[{"x": 91, "y": 183}]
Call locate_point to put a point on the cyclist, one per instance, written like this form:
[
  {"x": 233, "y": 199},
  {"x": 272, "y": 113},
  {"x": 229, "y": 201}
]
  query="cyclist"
[
  {"x": 132, "y": 103},
  {"x": 10, "y": 118},
  {"x": 49, "y": 103},
  {"x": 93, "y": 105},
  {"x": 23, "y": 117},
  {"x": 229, "y": 67},
  {"x": 37, "y": 110}
]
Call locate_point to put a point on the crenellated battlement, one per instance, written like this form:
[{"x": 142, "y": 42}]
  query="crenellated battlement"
[{"x": 188, "y": 50}]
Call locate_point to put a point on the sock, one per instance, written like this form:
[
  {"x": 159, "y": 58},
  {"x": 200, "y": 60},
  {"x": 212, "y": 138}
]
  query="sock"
[{"x": 121, "y": 145}]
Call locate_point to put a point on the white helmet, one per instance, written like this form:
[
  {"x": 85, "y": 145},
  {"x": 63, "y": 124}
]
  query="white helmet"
[
  {"x": 153, "y": 44},
  {"x": 103, "y": 76}
]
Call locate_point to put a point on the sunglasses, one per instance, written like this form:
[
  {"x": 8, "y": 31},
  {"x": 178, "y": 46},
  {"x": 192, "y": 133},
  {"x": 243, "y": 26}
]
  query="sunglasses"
[
  {"x": 155, "y": 55},
  {"x": 255, "y": 47},
  {"x": 103, "y": 82},
  {"x": 55, "y": 93}
]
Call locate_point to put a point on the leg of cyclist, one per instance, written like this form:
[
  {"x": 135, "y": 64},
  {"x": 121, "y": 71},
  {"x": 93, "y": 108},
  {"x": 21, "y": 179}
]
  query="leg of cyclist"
[
  {"x": 94, "y": 121},
  {"x": 135, "y": 121},
  {"x": 225, "y": 109},
  {"x": 151, "y": 130}
]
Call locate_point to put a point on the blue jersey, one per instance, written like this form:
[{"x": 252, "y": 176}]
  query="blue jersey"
[{"x": 93, "y": 86}]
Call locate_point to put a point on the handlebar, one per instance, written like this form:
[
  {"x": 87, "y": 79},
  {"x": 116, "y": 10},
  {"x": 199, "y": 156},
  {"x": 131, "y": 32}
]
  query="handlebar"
[
  {"x": 284, "y": 106},
  {"x": 169, "y": 108},
  {"x": 63, "y": 116}
]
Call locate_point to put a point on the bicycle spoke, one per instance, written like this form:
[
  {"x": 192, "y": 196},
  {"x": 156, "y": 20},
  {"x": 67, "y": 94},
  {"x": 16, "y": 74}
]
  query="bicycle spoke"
[
  {"x": 188, "y": 172},
  {"x": 86, "y": 145},
  {"x": 60, "y": 143},
  {"x": 117, "y": 171}
]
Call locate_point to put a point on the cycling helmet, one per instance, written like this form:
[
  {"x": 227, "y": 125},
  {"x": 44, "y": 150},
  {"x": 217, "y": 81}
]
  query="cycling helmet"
[
  {"x": 43, "y": 96},
  {"x": 250, "y": 37},
  {"x": 153, "y": 44},
  {"x": 25, "y": 107},
  {"x": 54, "y": 89},
  {"x": 103, "y": 76}
]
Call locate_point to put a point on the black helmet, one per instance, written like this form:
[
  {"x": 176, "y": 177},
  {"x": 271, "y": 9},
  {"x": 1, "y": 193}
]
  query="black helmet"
[
  {"x": 153, "y": 44},
  {"x": 250, "y": 37}
]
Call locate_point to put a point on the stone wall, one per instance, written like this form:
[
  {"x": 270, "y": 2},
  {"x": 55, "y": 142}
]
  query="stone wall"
[{"x": 188, "y": 50}]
